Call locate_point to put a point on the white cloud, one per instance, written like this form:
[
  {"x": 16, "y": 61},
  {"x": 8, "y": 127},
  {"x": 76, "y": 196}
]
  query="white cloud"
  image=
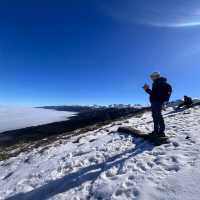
[
  {"x": 12, "y": 118},
  {"x": 171, "y": 13}
]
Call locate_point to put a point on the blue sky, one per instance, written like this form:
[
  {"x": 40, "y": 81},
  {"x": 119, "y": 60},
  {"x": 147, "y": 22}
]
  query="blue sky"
[{"x": 96, "y": 51}]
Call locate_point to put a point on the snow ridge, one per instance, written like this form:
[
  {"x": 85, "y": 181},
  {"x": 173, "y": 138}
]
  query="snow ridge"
[{"x": 105, "y": 164}]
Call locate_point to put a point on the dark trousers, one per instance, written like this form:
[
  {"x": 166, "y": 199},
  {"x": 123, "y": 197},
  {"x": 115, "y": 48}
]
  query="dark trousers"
[{"x": 159, "y": 124}]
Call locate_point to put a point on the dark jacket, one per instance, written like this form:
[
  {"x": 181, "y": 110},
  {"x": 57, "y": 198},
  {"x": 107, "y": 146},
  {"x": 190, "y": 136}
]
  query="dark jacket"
[
  {"x": 188, "y": 101},
  {"x": 161, "y": 91}
]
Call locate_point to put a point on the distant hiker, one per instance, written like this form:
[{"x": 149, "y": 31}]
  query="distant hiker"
[
  {"x": 159, "y": 94},
  {"x": 187, "y": 102}
]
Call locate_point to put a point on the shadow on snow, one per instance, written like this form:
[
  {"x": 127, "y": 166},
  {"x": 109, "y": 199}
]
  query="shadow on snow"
[{"x": 76, "y": 179}]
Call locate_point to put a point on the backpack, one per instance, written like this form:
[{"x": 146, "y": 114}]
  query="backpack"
[{"x": 167, "y": 92}]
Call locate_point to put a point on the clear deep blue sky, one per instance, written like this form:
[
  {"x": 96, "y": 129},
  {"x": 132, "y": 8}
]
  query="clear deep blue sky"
[{"x": 96, "y": 52}]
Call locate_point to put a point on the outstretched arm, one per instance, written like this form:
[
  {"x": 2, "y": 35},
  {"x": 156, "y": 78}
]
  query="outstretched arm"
[{"x": 149, "y": 91}]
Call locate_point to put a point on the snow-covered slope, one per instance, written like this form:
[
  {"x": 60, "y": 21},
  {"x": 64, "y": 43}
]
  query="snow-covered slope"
[
  {"x": 12, "y": 118},
  {"x": 105, "y": 164}
]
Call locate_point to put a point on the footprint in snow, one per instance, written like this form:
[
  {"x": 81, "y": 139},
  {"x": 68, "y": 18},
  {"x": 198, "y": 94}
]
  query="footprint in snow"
[{"x": 131, "y": 178}]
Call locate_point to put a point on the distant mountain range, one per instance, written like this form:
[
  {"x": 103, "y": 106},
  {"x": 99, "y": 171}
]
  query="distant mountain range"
[{"x": 78, "y": 108}]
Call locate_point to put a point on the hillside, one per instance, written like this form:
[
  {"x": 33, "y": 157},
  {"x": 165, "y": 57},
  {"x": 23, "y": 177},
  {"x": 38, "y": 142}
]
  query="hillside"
[
  {"x": 106, "y": 164},
  {"x": 89, "y": 119}
]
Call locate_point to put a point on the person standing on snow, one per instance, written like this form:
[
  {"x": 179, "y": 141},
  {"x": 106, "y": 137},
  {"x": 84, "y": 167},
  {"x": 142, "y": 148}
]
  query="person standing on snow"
[{"x": 159, "y": 94}]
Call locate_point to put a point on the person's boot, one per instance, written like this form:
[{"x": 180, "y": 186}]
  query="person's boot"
[
  {"x": 153, "y": 134},
  {"x": 161, "y": 134}
]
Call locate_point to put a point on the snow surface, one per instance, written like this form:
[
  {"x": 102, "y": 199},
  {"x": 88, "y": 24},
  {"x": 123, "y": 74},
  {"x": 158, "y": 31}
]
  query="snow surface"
[
  {"x": 12, "y": 118},
  {"x": 105, "y": 164}
]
